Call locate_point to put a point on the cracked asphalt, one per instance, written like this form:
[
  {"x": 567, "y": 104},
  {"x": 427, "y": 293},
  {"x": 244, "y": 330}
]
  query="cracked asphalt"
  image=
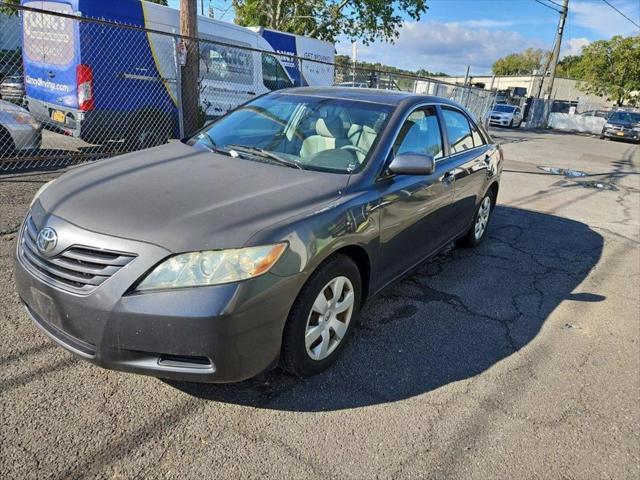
[{"x": 519, "y": 359}]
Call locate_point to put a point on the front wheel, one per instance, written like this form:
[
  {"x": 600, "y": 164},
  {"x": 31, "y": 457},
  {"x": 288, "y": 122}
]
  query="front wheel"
[
  {"x": 322, "y": 317},
  {"x": 476, "y": 232}
]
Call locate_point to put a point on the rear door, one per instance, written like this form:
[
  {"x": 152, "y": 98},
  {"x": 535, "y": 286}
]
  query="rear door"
[
  {"x": 470, "y": 157},
  {"x": 50, "y": 53}
]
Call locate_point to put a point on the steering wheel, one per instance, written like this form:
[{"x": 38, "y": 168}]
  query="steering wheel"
[{"x": 354, "y": 148}]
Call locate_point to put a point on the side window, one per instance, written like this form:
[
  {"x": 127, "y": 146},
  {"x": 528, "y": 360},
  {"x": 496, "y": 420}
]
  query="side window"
[
  {"x": 458, "y": 130},
  {"x": 420, "y": 133},
  {"x": 477, "y": 136},
  {"x": 274, "y": 76}
]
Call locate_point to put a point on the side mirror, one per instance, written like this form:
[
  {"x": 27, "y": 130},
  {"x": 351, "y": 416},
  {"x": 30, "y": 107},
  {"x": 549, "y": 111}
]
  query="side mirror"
[{"x": 413, "y": 164}]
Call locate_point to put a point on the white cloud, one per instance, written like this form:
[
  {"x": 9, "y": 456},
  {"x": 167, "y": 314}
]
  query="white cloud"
[
  {"x": 444, "y": 46},
  {"x": 573, "y": 46},
  {"x": 604, "y": 20}
]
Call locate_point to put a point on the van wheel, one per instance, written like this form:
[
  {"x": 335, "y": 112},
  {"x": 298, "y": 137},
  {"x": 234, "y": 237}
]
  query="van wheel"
[
  {"x": 149, "y": 129},
  {"x": 322, "y": 317},
  {"x": 478, "y": 229}
]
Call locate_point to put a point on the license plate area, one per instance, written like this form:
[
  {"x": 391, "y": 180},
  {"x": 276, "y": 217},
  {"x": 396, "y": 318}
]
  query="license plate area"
[{"x": 58, "y": 116}]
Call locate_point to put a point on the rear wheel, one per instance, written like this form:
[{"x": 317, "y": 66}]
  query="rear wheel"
[
  {"x": 476, "y": 232},
  {"x": 322, "y": 317}
]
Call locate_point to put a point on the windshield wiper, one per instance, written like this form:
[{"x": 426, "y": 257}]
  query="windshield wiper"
[
  {"x": 264, "y": 153},
  {"x": 211, "y": 145}
]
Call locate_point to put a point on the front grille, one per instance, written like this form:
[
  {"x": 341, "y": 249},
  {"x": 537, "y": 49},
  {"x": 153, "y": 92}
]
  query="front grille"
[{"x": 78, "y": 268}]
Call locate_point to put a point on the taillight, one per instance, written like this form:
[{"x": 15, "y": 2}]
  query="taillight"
[{"x": 84, "y": 78}]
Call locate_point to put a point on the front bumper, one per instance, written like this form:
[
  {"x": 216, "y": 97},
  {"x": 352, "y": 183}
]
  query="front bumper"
[
  {"x": 622, "y": 134},
  {"x": 26, "y": 137},
  {"x": 221, "y": 333},
  {"x": 503, "y": 122}
]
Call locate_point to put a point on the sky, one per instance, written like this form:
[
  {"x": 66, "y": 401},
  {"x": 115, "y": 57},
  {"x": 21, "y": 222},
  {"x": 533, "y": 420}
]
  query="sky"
[{"x": 456, "y": 33}]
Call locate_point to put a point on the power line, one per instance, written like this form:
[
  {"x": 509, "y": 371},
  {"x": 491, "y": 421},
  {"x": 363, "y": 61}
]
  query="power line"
[
  {"x": 547, "y": 5},
  {"x": 612, "y": 6}
]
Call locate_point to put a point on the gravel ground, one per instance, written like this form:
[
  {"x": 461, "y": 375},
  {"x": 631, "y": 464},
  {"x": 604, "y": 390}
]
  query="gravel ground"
[{"x": 517, "y": 360}]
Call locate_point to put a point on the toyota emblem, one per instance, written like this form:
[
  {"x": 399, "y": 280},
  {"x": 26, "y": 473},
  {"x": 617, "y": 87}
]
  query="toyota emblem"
[{"x": 47, "y": 240}]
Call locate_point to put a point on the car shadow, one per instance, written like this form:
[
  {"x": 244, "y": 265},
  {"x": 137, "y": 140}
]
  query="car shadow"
[{"x": 454, "y": 317}]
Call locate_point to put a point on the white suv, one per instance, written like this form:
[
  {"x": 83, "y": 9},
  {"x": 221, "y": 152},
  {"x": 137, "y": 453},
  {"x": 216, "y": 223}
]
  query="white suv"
[{"x": 506, "y": 116}]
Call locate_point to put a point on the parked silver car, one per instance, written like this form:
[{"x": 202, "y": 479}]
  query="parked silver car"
[{"x": 18, "y": 129}]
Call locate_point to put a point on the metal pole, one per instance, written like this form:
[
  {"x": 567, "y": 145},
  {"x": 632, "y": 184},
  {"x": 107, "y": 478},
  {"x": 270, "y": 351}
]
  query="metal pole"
[
  {"x": 176, "y": 41},
  {"x": 556, "y": 49},
  {"x": 466, "y": 76}
]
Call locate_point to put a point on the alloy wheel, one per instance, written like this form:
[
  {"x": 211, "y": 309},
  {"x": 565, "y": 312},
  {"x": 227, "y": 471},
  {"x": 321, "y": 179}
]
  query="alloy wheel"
[
  {"x": 482, "y": 218},
  {"x": 329, "y": 318}
]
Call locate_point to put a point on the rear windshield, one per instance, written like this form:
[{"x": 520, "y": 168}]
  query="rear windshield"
[
  {"x": 48, "y": 39},
  {"x": 504, "y": 108}
]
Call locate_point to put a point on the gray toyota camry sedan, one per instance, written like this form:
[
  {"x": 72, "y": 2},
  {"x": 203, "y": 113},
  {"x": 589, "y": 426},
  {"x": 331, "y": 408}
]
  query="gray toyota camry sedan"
[{"x": 255, "y": 242}]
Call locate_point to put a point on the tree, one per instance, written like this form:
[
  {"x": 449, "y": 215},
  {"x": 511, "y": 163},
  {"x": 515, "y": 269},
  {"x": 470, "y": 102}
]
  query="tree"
[
  {"x": 571, "y": 66},
  {"x": 612, "y": 69},
  {"x": 364, "y": 20},
  {"x": 523, "y": 63}
]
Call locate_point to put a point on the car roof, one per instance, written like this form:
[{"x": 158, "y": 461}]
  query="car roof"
[{"x": 372, "y": 95}]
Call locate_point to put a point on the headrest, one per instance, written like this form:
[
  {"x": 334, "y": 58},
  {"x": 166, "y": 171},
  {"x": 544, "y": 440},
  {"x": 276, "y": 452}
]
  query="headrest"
[
  {"x": 374, "y": 125},
  {"x": 330, "y": 127}
]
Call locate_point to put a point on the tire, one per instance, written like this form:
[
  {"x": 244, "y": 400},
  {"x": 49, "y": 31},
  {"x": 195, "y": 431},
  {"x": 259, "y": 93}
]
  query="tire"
[
  {"x": 7, "y": 146},
  {"x": 305, "y": 318},
  {"x": 149, "y": 129},
  {"x": 511, "y": 123},
  {"x": 472, "y": 238}
]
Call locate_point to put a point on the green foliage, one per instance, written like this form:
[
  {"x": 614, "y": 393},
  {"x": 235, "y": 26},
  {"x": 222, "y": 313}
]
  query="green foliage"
[
  {"x": 7, "y": 10},
  {"x": 571, "y": 66},
  {"x": 523, "y": 63},
  {"x": 612, "y": 69},
  {"x": 364, "y": 20}
]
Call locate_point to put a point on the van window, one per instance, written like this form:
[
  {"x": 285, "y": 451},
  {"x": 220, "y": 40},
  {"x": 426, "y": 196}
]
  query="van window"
[
  {"x": 48, "y": 38},
  {"x": 274, "y": 76},
  {"x": 226, "y": 64}
]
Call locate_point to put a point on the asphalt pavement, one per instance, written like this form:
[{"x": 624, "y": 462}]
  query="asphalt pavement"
[{"x": 519, "y": 359}]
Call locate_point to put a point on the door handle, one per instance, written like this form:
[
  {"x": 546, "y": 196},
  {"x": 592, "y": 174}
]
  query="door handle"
[{"x": 449, "y": 177}]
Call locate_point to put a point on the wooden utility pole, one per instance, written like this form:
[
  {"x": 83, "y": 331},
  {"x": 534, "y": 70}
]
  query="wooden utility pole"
[
  {"x": 189, "y": 77},
  {"x": 556, "y": 49}
]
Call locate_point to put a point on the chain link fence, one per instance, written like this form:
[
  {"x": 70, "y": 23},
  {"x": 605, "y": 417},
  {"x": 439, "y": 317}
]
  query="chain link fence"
[{"x": 76, "y": 89}]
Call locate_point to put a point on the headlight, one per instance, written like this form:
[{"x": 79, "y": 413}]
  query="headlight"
[
  {"x": 608, "y": 125},
  {"x": 212, "y": 267},
  {"x": 636, "y": 128},
  {"x": 39, "y": 192}
]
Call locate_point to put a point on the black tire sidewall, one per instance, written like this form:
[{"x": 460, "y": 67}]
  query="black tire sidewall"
[{"x": 294, "y": 357}]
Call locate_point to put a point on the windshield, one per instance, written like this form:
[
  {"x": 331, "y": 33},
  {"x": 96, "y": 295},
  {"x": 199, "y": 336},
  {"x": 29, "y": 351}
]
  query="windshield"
[
  {"x": 504, "y": 108},
  {"x": 307, "y": 132},
  {"x": 626, "y": 117}
]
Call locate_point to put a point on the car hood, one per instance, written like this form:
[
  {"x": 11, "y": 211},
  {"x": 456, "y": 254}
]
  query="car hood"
[{"x": 185, "y": 198}]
